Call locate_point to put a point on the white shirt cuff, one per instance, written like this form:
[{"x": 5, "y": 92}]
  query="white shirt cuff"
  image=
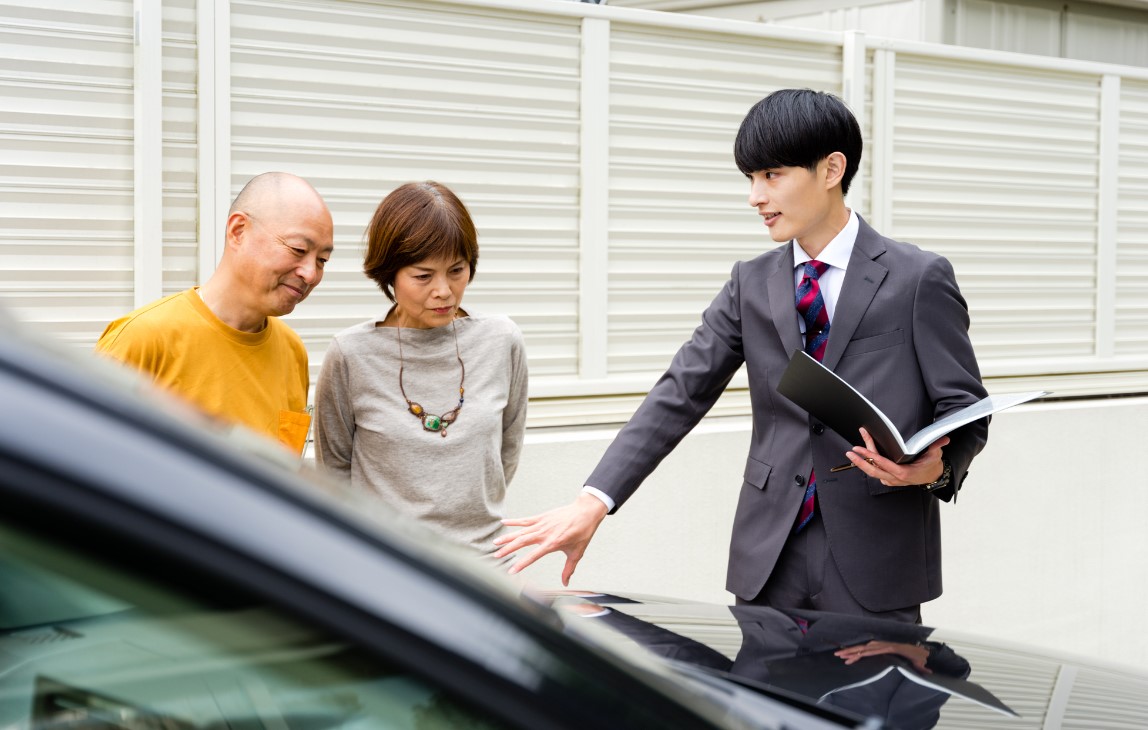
[{"x": 600, "y": 495}]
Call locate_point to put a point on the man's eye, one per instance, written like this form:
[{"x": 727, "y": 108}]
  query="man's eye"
[{"x": 322, "y": 262}]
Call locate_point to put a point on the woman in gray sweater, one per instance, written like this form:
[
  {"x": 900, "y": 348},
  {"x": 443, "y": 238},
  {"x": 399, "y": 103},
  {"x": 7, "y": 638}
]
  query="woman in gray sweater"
[{"x": 426, "y": 407}]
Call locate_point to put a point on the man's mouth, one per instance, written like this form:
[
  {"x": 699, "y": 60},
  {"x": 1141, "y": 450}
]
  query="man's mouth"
[{"x": 770, "y": 217}]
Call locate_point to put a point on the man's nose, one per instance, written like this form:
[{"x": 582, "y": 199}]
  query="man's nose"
[
  {"x": 757, "y": 194},
  {"x": 310, "y": 271}
]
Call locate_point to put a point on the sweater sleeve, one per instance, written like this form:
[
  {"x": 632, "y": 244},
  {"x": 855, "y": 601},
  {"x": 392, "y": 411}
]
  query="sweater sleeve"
[
  {"x": 514, "y": 417},
  {"x": 334, "y": 414}
]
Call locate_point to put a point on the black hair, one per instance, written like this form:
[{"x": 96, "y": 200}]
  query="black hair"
[{"x": 798, "y": 128}]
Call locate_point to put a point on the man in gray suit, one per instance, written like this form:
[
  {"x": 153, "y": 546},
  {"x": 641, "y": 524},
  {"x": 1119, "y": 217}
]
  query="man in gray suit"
[{"x": 885, "y": 316}]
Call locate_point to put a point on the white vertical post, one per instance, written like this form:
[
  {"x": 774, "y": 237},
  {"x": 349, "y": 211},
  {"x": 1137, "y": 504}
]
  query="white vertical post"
[
  {"x": 148, "y": 151},
  {"x": 1107, "y": 202},
  {"x": 853, "y": 94},
  {"x": 881, "y": 206},
  {"x": 933, "y": 20},
  {"x": 213, "y": 21},
  {"x": 594, "y": 230}
]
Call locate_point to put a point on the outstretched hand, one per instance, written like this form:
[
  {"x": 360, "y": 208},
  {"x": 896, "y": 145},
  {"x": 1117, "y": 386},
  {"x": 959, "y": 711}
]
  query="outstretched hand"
[
  {"x": 568, "y": 529},
  {"x": 925, "y": 469}
]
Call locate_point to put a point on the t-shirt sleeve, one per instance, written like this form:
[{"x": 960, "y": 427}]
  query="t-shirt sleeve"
[{"x": 132, "y": 343}]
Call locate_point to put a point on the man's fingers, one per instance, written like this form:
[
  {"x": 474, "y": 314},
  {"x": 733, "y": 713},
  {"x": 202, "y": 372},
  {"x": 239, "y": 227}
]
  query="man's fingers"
[
  {"x": 568, "y": 569},
  {"x": 515, "y": 536},
  {"x": 519, "y": 522},
  {"x": 527, "y": 561}
]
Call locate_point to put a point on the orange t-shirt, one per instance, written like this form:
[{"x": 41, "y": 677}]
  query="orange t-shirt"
[{"x": 256, "y": 379}]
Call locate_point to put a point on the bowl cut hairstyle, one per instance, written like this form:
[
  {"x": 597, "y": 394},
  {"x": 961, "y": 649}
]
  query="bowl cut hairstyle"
[
  {"x": 415, "y": 222},
  {"x": 798, "y": 128}
]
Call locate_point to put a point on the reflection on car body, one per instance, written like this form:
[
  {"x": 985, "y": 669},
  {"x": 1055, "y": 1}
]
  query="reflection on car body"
[
  {"x": 154, "y": 576},
  {"x": 975, "y": 683},
  {"x": 799, "y": 652}
]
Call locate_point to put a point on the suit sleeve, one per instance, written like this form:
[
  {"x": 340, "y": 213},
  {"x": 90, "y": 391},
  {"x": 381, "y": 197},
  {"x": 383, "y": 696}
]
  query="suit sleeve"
[
  {"x": 948, "y": 364},
  {"x": 697, "y": 376}
]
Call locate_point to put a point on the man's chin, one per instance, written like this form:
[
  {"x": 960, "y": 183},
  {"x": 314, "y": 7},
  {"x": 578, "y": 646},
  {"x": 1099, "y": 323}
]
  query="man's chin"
[{"x": 283, "y": 309}]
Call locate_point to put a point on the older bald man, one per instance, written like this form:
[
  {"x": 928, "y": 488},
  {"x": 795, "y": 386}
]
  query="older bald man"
[{"x": 220, "y": 345}]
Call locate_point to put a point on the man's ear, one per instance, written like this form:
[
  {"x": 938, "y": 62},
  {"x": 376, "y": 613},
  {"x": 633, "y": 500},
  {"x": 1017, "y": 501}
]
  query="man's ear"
[
  {"x": 834, "y": 169},
  {"x": 238, "y": 223}
]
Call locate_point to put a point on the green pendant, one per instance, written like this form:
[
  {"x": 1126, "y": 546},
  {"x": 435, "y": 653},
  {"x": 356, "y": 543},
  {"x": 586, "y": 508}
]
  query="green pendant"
[{"x": 431, "y": 422}]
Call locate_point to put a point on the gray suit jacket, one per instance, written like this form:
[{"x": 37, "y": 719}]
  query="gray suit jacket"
[{"x": 900, "y": 336}]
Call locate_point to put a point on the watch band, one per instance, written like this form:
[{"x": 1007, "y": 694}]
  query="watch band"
[{"x": 943, "y": 480}]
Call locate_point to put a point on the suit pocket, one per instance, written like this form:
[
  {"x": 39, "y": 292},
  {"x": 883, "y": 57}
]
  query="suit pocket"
[
  {"x": 876, "y": 488},
  {"x": 874, "y": 343},
  {"x": 756, "y": 472}
]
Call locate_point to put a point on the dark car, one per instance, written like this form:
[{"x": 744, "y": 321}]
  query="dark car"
[{"x": 153, "y": 575}]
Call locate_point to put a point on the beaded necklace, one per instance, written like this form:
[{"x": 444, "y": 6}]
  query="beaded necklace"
[{"x": 430, "y": 421}]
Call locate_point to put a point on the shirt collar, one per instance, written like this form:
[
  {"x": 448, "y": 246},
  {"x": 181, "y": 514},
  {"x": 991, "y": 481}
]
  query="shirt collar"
[{"x": 838, "y": 251}]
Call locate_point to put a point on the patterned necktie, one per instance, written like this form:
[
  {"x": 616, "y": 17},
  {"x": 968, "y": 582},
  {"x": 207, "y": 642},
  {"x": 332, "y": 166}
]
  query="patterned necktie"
[{"x": 811, "y": 307}]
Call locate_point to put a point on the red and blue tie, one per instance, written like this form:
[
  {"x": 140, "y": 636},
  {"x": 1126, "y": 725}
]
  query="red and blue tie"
[{"x": 811, "y": 307}]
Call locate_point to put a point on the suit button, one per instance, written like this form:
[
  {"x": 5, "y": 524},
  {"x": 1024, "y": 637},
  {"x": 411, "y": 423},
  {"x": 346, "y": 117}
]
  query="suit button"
[
  {"x": 799, "y": 480},
  {"x": 818, "y": 429}
]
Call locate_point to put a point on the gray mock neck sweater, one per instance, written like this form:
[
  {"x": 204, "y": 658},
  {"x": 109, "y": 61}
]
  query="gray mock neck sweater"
[{"x": 363, "y": 431}]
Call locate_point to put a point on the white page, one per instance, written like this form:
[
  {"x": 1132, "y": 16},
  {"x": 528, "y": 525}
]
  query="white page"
[{"x": 985, "y": 407}]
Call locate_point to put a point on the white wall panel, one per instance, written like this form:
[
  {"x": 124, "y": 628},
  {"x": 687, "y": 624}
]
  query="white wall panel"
[
  {"x": 180, "y": 147},
  {"x": 904, "y": 19},
  {"x": 362, "y": 97},
  {"x": 66, "y": 166},
  {"x": 678, "y": 209},
  {"x": 996, "y": 168},
  {"x": 1007, "y": 26},
  {"x": 992, "y": 160},
  {"x": 1132, "y": 223},
  {"x": 1111, "y": 39}
]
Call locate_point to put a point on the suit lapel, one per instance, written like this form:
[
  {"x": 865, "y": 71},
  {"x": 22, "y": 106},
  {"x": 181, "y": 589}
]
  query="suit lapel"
[
  {"x": 781, "y": 302},
  {"x": 862, "y": 279}
]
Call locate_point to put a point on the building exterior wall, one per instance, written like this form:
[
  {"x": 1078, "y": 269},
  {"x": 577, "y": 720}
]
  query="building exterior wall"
[
  {"x": 593, "y": 145},
  {"x": 1087, "y": 31}
]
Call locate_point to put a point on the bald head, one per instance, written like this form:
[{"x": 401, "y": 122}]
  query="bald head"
[
  {"x": 278, "y": 238},
  {"x": 270, "y": 192}
]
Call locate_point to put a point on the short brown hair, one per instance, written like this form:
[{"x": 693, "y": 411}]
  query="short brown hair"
[{"x": 415, "y": 222}]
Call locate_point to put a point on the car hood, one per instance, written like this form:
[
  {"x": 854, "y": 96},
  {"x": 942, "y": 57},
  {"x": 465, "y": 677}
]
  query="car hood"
[{"x": 969, "y": 682}]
